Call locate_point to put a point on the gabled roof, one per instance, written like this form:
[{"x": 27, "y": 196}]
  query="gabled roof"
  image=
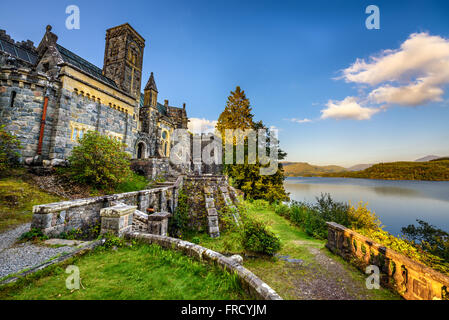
[
  {"x": 84, "y": 65},
  {"x": 18, "y": 52},
  {"x": 162, "y": 109},
  {"x": 151, "y": 84}
]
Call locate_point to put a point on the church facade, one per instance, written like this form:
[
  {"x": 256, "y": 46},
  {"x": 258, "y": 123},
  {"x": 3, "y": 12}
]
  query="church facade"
[{"x": 50, "y": 97}]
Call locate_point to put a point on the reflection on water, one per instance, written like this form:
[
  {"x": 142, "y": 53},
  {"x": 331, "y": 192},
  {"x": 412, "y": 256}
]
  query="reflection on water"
[{"x": 397, "y": 203}]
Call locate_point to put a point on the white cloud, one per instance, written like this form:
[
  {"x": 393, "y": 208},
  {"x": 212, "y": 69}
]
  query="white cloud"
[
  {"x": 348, "y": 108},
  {"x": 197, "y": 125},
  {"x": 412, "y": 75},
  {"x": 305, "y": 120}
]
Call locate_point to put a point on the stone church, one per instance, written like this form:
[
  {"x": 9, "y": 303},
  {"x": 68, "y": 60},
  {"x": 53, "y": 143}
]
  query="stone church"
[{"x": 50, "y": 97}]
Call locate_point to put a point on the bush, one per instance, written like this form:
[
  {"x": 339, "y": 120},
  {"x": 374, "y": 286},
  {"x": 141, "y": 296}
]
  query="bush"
[
  {"x": 33, "y": 235},
  {"x": 99, "y": 161},
  {"x": 312, "y": 218},
  {"x": 282, "y": 210},
  {"x": 179, "y": 223},
  {"x": 9, "y": 146},
  {"x": 257, "y": 238}
]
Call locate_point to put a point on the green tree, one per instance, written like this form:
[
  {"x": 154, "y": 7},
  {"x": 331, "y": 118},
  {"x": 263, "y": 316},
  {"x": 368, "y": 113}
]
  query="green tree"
[
  {"x": 9, "y": 146},
  {"x": 247, "y": 177},
  {"x": 237, "y": 113},
  {"x": 99, "y": 161}
]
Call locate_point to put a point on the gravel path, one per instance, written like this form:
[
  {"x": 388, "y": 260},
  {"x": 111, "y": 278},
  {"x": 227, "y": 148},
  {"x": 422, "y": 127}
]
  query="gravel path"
[{"x": 17, "y": 257}]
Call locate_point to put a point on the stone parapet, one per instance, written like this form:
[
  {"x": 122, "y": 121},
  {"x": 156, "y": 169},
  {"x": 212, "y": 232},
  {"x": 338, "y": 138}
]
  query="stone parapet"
[{"x": 411, "y": 279}]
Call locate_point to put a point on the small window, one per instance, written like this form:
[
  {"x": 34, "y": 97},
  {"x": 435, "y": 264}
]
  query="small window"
[{"x": 13, "y": 98}]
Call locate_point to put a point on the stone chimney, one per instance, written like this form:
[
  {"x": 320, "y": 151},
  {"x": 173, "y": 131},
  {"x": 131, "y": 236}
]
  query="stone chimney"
[
  {"x": 184, "y": 105},
  {"x": 166, "y": 103}
]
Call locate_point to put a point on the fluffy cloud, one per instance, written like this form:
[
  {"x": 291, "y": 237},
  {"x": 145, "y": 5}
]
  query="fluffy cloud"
[
  {"x": 348, "y": 108},
  {"x": 412, "y": 75},
  {"x": 197, "y": 125},
  {"x": 305, "y": 120}
]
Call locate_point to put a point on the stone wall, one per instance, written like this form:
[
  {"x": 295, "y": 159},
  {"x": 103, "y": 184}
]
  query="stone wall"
[
  {"x": 22, "y": 114},
  {"x": 65, "y": 111},
  {"x": 152, "y": 168},
  {"x": 411, "y": 279},
  {"x": 207, "y": 199},
  {"x": 56, "y": 218},
  {"x": 250, "y": 282}
]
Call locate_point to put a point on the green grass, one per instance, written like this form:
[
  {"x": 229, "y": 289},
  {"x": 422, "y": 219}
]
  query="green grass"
[
  {"x": 281, "y": 275},
  {"x": 141, "y": 272},
  {"x": 17, "y": 198}
]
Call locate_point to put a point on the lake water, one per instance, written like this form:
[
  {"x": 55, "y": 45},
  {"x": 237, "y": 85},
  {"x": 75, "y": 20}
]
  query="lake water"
[{"x": 396, "y": 203}]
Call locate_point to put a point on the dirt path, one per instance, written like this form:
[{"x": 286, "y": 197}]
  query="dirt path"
[{"x": 306, "y": 270}]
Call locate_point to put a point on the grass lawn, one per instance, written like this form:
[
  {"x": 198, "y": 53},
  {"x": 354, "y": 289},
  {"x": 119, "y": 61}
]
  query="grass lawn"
[
  {"x": 283, "y": 276},
  {"x": 141, "y": 272},
  {"x": 17, "y": 198}
]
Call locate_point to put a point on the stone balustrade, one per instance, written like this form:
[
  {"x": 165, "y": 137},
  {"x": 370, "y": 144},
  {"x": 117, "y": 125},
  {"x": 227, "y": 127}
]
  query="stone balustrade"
[
  {"x": 56, "y": 218},
  {"x": 411, "y": 279}
]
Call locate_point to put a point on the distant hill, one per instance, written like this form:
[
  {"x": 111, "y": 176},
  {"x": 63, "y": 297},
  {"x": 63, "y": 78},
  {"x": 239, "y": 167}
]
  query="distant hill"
[
  {"x": 298, "y": 169},
  {"x": 434, "y": 170},
  {"x": 427, "y": 158},
  {"x": 360, "y": 167}
]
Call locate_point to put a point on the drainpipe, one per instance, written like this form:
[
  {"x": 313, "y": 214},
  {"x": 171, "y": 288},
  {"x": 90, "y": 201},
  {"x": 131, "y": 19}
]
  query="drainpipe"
[{"x": 44, "y": 117}]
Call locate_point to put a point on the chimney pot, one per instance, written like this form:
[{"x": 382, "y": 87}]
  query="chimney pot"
[{"x": 184, "y": 105}]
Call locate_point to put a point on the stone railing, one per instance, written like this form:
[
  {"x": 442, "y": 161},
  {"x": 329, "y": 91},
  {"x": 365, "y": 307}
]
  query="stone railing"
[
  {"x": 55, "y": 218},
  {"x": 411, "y": 279},
  {"x": 250, "y": 282}
]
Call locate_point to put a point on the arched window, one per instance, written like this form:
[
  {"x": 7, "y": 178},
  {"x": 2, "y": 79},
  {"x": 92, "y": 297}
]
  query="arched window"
[{"x": 141, "y": 150}]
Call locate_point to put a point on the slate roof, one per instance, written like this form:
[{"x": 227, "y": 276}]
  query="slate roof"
[
  {"x": 18, "y": 52},
  {"x": 84, "y": 65}
]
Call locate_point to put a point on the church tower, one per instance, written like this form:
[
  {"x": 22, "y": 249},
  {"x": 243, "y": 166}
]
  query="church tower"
[{"x": 123, "y": 58}]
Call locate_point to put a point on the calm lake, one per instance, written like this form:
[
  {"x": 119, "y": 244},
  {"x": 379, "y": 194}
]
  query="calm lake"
[{"x": 396, "y": 203}]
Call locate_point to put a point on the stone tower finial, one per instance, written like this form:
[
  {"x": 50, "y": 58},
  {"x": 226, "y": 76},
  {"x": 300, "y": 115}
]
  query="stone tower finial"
[
  {"x": 151, "y": 84},
  {"x": 150, "y": 92}
]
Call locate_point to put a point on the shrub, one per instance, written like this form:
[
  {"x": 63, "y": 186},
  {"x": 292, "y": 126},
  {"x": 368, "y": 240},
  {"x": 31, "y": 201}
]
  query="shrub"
[
  {"x": 312, "y": 218},
  {"x": 196, "y": 240},
  {"x": 100, "y": 161},
  {"x": 179, "y": 223},
  {"x": 282, "y": 210},
  {"x": 9, "y": 145},
  {"x": 33, "y": 235},
  {"x": 112, "y": 241},
  {"x": 429, "y": 238},
  {"x": 259, "y": 239}
]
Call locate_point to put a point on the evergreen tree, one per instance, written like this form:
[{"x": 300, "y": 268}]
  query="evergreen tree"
[{"x": 247, "y": 177}]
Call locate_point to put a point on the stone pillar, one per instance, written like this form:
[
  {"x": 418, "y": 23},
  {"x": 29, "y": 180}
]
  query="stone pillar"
[
  {"x": 117, "y": 219},
  {"x": 158, "y": 223}
]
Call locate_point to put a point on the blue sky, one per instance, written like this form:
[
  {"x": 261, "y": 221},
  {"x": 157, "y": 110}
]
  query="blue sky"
[{"x": 286, "y": 55}]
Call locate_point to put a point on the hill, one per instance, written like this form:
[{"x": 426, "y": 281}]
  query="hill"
[
  {"x": 435, "y": 170},
  {"x": 360, "y": 167},
  {"x": 297, "y": 169},
  {"x": 427, "y": 158}
]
